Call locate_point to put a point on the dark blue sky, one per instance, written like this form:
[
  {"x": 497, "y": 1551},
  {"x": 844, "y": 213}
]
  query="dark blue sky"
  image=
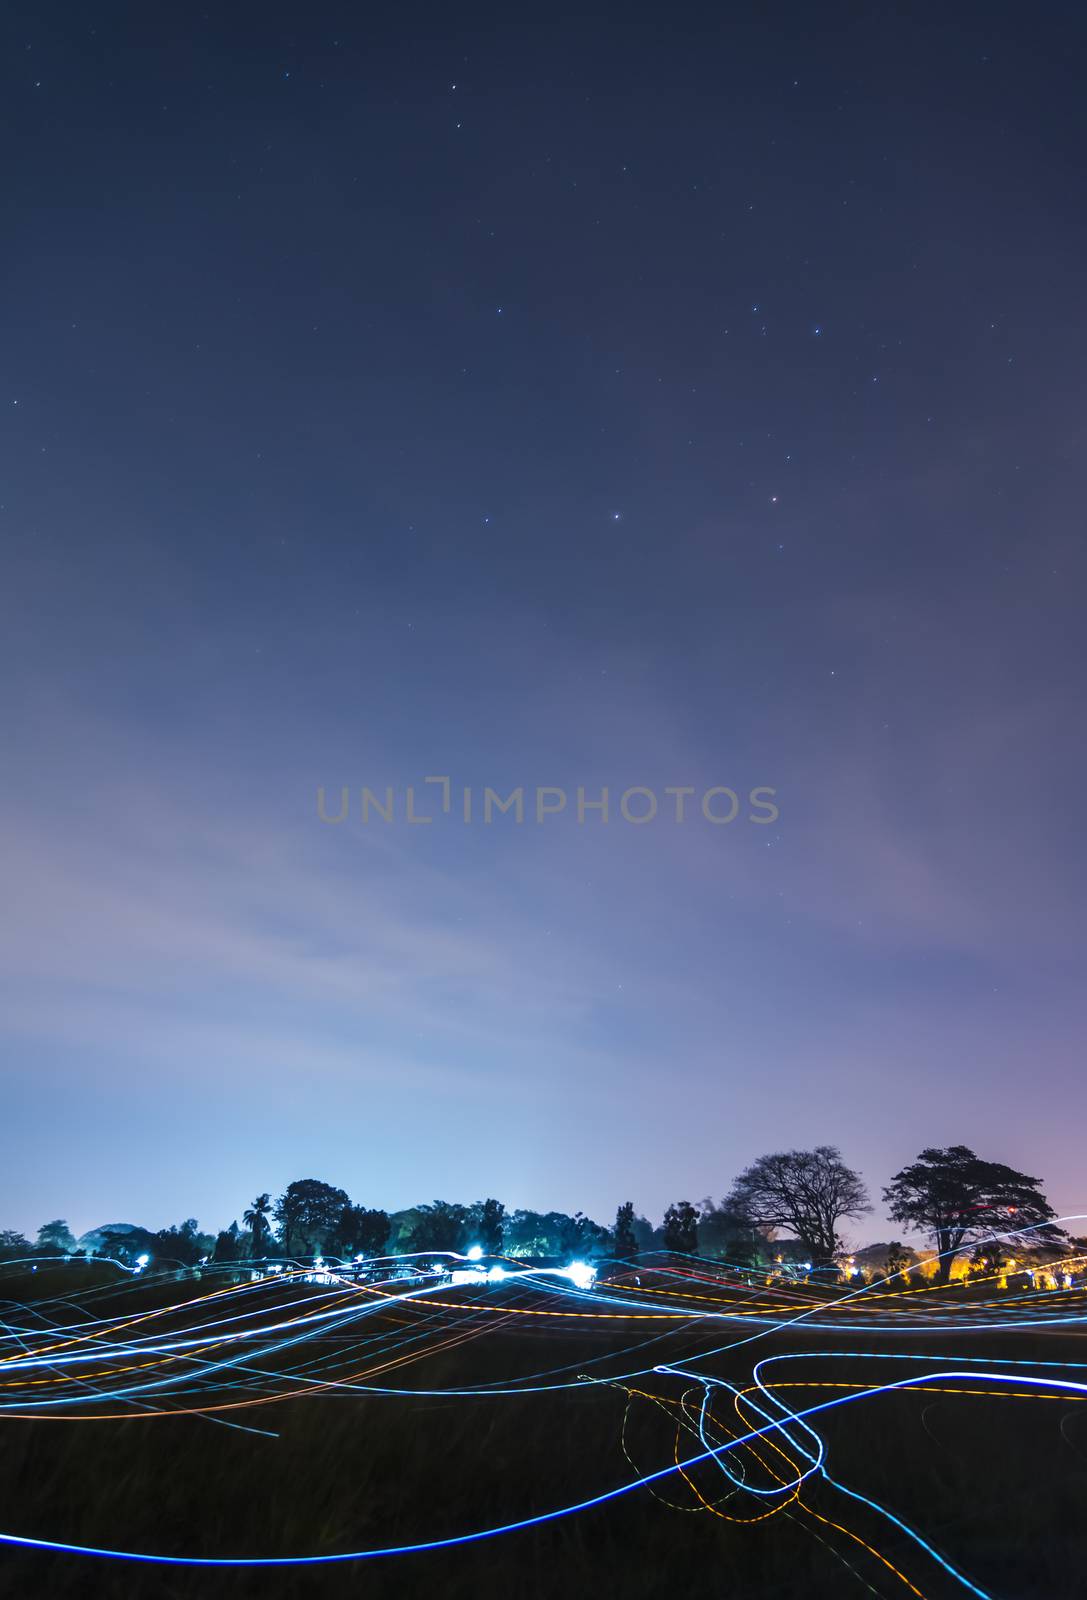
[{"x": 635, "y": 399}]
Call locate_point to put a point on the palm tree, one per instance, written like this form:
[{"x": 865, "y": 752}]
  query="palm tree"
[{"x": 256, "y": 1220}]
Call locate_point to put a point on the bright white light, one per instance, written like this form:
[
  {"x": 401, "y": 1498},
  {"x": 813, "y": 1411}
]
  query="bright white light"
[
  {"x": 496, "y": 1274},
  {"x": 141, "y": 1261},
  {"x": 581, "y": 1275},
  {"x": 476, "y": 1253},
  {"x": 318, "y": 1261},
  {"x": 360, "y": 1258}
]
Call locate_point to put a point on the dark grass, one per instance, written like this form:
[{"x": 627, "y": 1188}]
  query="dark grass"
[{"x": 998, "y": 1485}]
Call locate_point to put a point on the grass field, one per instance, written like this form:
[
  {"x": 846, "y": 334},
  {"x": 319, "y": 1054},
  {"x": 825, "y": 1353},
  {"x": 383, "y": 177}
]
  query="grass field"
[{"x": 271, "y": 1433}]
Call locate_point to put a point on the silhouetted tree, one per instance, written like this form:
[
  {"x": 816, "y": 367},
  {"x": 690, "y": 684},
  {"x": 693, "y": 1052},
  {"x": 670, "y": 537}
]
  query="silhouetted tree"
[
  {"x": 360, "y": 1232},
  {"x": 56, "y": 1238},
  {"x": 532, "y": 1233},
  {"x": 308, "y": 1212},
  {"x": 727, "y": 1233},
  {"x": 579, "y": 1235},
  {"x": 807, "y": 1192},
  {"x": 553, "y": 1233},
  {"x": 681, "y": 1228},
  {"x": 402, "y": 1225},
  {"x": 486, "y": 1223},
  {"x": 988, "y": 1259},
  {"x": 644, "y": 1232},
  {"x": 899, "y": 1259},
  {"x": 260, "y": 1229},
  {"x": 184, "y": 1244},
  {"x": 124, "y": 1244},
  {"x": 955, "y": 1197},
  {"x": 13, "y": 1245},
  {"x": 228, "y": 1245},
  {"x": 624, "y": 1244},
  {"x": 441, "y": 1226}
]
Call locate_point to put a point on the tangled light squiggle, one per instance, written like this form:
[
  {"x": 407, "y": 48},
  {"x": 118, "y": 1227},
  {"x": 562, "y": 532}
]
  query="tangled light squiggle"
[{"x": 233, "y": 1351}]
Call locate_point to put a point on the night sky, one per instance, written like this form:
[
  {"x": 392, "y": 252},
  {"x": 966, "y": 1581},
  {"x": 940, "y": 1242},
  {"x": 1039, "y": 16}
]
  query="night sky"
[{"x": 662, "y": 398}]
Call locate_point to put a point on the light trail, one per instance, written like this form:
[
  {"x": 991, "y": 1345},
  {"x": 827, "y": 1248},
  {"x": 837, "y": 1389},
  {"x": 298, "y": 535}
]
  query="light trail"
[{"x": 229, "y": 1351}]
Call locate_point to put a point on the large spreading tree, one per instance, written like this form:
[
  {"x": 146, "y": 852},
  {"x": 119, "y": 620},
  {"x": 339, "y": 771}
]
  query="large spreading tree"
[
  {"x": 308, "y": 1212},
  {"x": 957, "y": 1199},
  {"x": 807, "y": 1192}
]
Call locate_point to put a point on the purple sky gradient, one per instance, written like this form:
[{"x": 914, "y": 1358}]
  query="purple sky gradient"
[{"x": 767, "y": 472}]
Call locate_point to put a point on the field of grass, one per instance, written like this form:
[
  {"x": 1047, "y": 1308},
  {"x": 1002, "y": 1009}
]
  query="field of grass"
[{"x": 283, "y": 1443}]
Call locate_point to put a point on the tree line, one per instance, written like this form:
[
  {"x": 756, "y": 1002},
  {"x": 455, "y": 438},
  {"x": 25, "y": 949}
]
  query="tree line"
[{"x": 951, "y": 1196}]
